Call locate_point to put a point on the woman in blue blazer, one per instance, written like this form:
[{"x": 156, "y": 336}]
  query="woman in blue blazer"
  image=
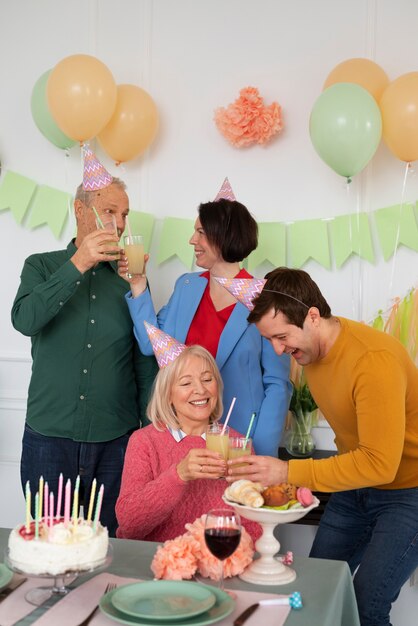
[{"x": 202, "y": 311}]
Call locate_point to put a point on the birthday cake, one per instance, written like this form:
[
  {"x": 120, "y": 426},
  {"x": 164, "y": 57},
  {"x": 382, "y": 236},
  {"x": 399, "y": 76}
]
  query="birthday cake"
[
  {"x": 53, "y": 543},
  {"x": 58, "y": 549}
]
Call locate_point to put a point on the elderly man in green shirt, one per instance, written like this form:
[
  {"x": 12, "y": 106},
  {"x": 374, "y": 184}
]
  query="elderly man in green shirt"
[{"x": 90, "y": 383}]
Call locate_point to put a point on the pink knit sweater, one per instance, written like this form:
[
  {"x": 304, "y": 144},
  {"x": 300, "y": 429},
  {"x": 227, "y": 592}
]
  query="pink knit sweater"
[{"x": 154, "y": 503}]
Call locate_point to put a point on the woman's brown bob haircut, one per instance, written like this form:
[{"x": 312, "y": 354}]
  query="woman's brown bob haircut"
[{"x": 229, "y": 227}]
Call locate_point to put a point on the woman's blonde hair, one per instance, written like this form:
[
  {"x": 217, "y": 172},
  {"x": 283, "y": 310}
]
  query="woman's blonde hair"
[{"x": 160, "y": 410}]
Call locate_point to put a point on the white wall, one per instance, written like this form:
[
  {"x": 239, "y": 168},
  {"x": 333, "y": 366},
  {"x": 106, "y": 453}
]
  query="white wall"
[{"x": 193, "y": 56}]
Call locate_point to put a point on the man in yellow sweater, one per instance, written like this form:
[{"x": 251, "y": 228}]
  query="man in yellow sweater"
[{"x": 366, "y": 386}]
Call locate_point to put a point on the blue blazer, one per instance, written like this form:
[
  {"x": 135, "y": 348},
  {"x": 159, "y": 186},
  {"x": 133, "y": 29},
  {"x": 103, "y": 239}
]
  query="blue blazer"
[{"x": 250, "y": 369}]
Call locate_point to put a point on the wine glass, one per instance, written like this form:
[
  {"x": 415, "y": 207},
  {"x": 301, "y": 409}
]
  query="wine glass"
[{"x": 222, "y": 535}]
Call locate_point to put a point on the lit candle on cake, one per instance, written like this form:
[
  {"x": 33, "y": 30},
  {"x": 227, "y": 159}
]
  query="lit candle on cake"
[
  {"x": 28, "y": 499},
  {"x": 98, "y": 508},
  {"x": 59, "y": 497},
  {"x": 41, "y": 492},
  {"x": 91, "y": 502},
  {"x": 67, "y": 502}
]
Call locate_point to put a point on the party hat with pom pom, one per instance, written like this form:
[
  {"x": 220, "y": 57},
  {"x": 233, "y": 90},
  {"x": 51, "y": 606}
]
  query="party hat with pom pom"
[
  {"x": 243, "y": 289},
  {"x": 166, "y": 348},
  {"x": 95, "y": 176},
  {"x": 225, "y": 192}
]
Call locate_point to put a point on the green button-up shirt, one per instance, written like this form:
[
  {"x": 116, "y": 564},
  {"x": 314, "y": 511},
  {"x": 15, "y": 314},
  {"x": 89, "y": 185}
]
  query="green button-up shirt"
[{"x": 89, "y": 380}]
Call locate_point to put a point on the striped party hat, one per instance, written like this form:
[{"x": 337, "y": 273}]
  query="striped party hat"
[
  {"x": 225, "y": 192},
  {"x": 166, "y": 348},
  {"x": 243, "y": 289},
  {"x": 95, "y": 176}
]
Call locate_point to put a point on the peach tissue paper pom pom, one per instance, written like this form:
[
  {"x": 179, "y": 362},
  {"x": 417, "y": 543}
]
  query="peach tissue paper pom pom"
[
  {"x": 176, "y": 559},
  {"x": 182, "y": 557},
  {"x": 247, "y": 120},
  {"x": 209, "y": 566}
]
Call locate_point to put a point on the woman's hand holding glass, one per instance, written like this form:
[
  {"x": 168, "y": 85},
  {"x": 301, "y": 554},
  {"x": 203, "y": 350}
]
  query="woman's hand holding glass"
[
  {"x": 138, "y": 282},
  {"x": 201, "y": 463}
]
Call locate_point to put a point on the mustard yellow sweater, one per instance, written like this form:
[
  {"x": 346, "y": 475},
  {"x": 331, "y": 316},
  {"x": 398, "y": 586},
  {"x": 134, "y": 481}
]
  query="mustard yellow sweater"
[{"x": 367, "y": 388}]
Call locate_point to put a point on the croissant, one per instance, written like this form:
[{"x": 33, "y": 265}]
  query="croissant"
[{"x": 245, "y": 492}]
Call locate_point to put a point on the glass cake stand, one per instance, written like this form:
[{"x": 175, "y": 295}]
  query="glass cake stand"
[
  {"x": 266, "y": 570},
  {"x": 40, "y": 595}
]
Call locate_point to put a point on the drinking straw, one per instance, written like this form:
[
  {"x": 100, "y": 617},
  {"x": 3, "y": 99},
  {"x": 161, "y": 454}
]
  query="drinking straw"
[
  {"x": 92, "y": 495},
  {"x": 228, "y": 416},
  {"x": 98, "y": 217},
  {"x": 128, "y": 226},
  {"x": 247, "y": 436}
]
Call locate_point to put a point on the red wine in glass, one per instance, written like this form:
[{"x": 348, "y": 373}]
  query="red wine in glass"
[
  {"x": 222, "y": 542},
  {"x": 222, "y": 535}
]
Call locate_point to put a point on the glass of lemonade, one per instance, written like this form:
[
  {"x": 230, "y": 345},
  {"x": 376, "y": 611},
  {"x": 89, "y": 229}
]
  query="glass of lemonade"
[
  {"x": 217, "y": 439},
  {"x": 239, "y": 446},
  {"x": 134, "y": 250}
]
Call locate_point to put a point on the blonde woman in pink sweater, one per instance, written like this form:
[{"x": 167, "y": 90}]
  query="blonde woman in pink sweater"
[{"x": 169, "y": 477}]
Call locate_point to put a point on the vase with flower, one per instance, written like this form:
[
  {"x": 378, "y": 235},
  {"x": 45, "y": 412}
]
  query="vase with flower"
[{"x": 299, "y": 441}]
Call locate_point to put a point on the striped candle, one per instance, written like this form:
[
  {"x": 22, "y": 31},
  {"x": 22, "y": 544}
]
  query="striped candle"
[
  {"x": 67, "y": 502},
  {"x": 59, "y": 498},
  {"x": 98, "y": 508},
  {"x": 75, "y": 501},
  {"x": 46, "y": 503},
  {"x": 41, "y": 493},
  {"x": 91, "y": 502},
  {"x": 28, "y": 503},
  {"x": 37, "y": 508},
  {"x": 51, "y": 510}
]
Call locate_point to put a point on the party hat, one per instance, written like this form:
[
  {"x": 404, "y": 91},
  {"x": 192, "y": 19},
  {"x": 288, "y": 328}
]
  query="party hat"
[
  {"x": 95, "y": 176},
  {"x": 243, "y": 289},
  {"x": 166, "y": 348},
  {"x": 225, "y": 192}
]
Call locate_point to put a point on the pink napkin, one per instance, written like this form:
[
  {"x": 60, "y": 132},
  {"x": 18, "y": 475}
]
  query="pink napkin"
[
  {"x": 14, "y": 607},
  {"x": 75, "y": 606}
]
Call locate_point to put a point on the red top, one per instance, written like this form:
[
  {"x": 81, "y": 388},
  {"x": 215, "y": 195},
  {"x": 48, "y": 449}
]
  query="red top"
[{"x": 208, "y": 323}]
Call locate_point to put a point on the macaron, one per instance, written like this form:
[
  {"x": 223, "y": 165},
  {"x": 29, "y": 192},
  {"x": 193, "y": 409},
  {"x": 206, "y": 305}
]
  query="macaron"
[{"x": 304, "y": 496}]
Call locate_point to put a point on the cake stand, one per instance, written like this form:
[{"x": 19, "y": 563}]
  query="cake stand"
[
  {"x": 266, "y": 570},
  {"x": 40, "y": 595}
]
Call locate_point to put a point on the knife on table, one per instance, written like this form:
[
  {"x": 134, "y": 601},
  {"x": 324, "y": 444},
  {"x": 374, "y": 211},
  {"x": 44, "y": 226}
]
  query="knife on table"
[{"x": 294, "y": 600}]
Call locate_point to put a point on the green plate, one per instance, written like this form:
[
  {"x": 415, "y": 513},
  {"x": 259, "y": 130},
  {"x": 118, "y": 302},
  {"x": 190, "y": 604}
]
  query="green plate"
[
  {"x": 163, "y": 600},
  {"x": 5, "y": 576},
  {"x": 224, "y": 605}
]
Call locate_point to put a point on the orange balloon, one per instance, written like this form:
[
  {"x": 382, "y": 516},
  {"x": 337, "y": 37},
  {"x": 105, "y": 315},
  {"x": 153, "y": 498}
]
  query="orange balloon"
[
  {"x": 133, "y": 125},
  {"x": 399, "y": 108},
  {"x": 363, "y": 72},
  {"x": 81, "y": 95}
]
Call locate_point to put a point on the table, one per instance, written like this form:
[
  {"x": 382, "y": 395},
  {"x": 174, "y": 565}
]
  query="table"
[{"x": 326, "y": 586}]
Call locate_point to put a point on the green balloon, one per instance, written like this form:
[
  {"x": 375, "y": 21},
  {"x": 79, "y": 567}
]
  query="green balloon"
[
  {"x": 346, "y": 127},
  {"x": 43, "y": 118}
]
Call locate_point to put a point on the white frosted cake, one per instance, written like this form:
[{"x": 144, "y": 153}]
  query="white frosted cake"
[{"x": 58, "y": 549}]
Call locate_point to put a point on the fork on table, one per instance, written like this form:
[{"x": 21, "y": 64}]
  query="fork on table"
[{"x": 90, "y": 616}]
